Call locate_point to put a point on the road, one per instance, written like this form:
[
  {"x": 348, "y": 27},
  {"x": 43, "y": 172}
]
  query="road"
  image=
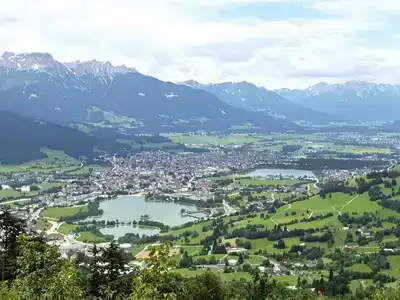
[{"x": 54, "y": 226}]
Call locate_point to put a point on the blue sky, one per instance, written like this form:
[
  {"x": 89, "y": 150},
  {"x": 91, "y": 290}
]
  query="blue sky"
[{"x": 272, "y": 43}]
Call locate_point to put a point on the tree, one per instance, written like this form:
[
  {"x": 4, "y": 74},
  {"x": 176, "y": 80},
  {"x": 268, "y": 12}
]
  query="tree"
[
  {"x": 261, "y": 288},
  {"x": 205, "y": 286},
  {"x": 116, "y": 285},
  {"x": 34, "y": 188},
  {"x": 155, "y": 282},
  {"x": 7, "y": 293},
  {"x": 247, "y": 267},
  {"x": 43, "y": 275},
  {"x": 96, "y": 276},
  {"x": 266, "y": 263},
  {"x": 349, "y": 238},
  {"x": 241, "y": 259},
  {"x": 281, "y": 244},
  {"x": 320, "y": 264},
  {"x": 186, "y": 261},
  {"x": 330, "y": 275},
  {"x": 10, "y": 228}
]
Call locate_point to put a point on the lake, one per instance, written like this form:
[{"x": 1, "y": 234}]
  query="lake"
[
  {"x": 281, "y": 172},
  {"x": 130, "y": 208}
]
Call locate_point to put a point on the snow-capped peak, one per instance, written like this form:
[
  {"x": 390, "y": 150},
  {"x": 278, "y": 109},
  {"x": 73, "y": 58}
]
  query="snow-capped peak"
[
  {"x": 360, "y": 89},
  {"x": 192, "y": 83},
  {"x": 98, "y": 68},
  {"x": 35, "y": 61}
]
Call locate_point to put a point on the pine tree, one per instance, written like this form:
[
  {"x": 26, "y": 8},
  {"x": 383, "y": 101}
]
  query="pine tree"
[
  {"x": 10, "y": 228},
  {"x": 96, "y": 276},
  {"x": 331, "y": 275},
  {"x": 117, "y": 285},
  {"x": 241, "y": 259}
]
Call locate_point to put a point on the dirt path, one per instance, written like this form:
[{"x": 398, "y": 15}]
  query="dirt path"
[
  {"x": 272, "y": 218},
  {"x": 338, "y": 211},
  {"x": 344, "y": 205}
]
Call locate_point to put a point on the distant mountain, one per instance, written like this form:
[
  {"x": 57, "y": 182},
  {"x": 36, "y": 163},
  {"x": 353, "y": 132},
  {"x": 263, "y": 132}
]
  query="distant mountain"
[
  {"x": 23, "y": 138},
  {"x": 247, "y": 96},
  {"x": 103, "y": 70},
  {"x": 95, "y": 96},
  {"x": 353, "y": 100}
]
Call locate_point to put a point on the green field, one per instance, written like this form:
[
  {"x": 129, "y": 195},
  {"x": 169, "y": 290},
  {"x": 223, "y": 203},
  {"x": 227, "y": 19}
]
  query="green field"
[
  {"x": 88, "y": 237},
  {"x": 212, "y": 140},
  {"x": 43, "y": 224},
  {"x": 225, "y": 276},
  {"x": 288, "y": 279},
  {"x": 360, "y": 284},
  {"x": 196, "y": 227},
  {"x": 359, "y": 268},
  {"x": 17, "y": 194},
  {"x": 265, "y": 182},
  {"x": 136, "y": 250},
  {"x": 67, "y": 228},
  {"x": 58, "y": 212},
  {"x": 54, "y": 159},
  {"x": 394, "y": 270},
  {"x": 55, "y": 162}
]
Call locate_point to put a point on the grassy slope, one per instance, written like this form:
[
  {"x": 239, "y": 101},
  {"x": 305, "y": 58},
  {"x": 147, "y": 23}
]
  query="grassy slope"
[{"x": 58, "y": 212}]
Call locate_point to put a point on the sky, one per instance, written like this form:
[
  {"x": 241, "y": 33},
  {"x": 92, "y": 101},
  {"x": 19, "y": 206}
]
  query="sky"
[{"x": 271, "y": 43}]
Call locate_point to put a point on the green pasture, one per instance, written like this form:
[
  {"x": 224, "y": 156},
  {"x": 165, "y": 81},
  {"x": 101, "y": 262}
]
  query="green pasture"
[{"x": 58, "y": 212}]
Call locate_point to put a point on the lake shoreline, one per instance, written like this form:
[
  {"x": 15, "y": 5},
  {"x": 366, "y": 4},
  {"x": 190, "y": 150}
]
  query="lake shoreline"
[{"x": 132, "y": 207}]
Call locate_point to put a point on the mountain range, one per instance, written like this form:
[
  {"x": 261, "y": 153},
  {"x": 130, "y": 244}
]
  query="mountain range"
[
  {"x": 97, "y": 96},
  {"x": 103, "y": 103},
  {"x": 352, "y": 101},
  {"x": 249, "y": 97}
]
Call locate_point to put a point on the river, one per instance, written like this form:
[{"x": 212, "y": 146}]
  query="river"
[
  {"x": 130, "y": 208},
  {"x": 281, "y": 172}
]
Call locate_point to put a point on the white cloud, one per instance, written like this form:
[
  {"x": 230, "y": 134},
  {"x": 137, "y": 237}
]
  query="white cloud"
[{"x": 181, "y": 39}]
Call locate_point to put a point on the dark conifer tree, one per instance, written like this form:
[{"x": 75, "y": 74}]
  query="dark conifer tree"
[{"x": 10, "y": 228}]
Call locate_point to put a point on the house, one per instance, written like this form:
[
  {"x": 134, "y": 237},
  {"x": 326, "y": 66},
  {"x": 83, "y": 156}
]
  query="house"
[
  {"x": 277, "y": 271},
  {"x": 388, "y": 250},
  {"x": 55, "y": 237},
  {"x": 351, "y": 246},
  {"x": 232, "y": 262}
]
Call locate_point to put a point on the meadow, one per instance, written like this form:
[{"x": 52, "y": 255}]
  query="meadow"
[
  {"x": 55, "y": 162},
  {"x": 266, "y": 182},
  {"x": 67, "y": 228},
  {"x": 213, "y": 140},
  {"x": 58, "y": 212}
]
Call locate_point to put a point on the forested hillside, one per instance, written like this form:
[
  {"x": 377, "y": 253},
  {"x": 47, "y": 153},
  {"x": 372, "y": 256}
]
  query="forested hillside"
[
  {"x": 22, "y": 140},
  {"x": 31, "y": 269}
]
